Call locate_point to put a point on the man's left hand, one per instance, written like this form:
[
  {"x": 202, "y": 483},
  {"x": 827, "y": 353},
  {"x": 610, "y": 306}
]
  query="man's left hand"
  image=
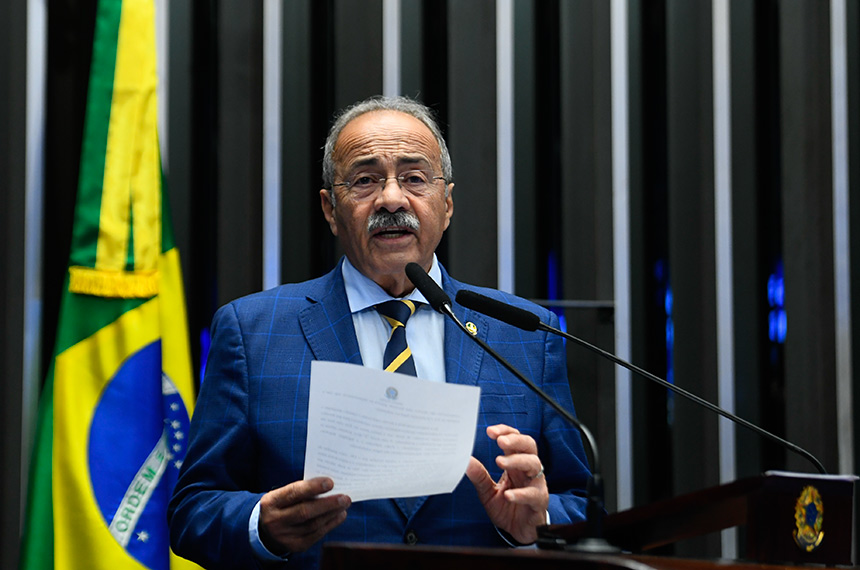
[{"x": 517, "y": 503}]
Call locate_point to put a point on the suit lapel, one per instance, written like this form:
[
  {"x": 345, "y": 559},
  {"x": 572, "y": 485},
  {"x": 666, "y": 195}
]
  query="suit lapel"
[
  {"x": 463, "y": 356},
  {"x": 328, "y": 329},
  {"x": 327, "y": 322}
]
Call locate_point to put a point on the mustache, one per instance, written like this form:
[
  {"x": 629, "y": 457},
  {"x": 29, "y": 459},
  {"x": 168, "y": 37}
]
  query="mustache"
[{"x": 385, "y": 219}]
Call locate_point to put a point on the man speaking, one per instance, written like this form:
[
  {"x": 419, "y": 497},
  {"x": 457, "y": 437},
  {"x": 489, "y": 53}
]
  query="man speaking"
[{"x": 241, "y": 502}]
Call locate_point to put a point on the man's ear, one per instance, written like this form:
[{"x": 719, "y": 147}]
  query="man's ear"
[
  {"x": 327, "y": 205},
  {"x": 449, "y": 204}
]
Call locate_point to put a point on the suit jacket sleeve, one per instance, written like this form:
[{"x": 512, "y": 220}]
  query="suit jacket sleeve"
[
  {"x": 561, "y": 448},
  {"x": 211, "y": 505}
]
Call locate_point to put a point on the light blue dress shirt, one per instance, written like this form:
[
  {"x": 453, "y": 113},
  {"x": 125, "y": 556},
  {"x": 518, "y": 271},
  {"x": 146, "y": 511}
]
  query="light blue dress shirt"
[{"x": 425, "y": 330}]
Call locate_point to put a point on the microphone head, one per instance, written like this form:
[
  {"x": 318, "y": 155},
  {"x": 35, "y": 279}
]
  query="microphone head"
[
  {"x": 429, "y": 288},
  {"x": 504, "y": 312}
]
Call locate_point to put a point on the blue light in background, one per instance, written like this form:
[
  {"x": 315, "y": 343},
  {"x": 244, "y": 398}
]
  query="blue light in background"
[
  {"x": 553, "y": 280},
  {"x": 664, "y": 291},
  {"x": 205, "y": 343},
  {"x": 670, "y": 337},
  {"x": 777, "y": 320}
]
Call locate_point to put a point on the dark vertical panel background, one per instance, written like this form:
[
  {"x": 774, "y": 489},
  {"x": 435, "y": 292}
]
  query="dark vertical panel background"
[
  {"x": 13, "y": 85},
  {"x": 807, "y": 212},
  {"x": 202, "y": 131},
  {"x": 358, "y": 54},
  {"x": 768, "y": 135},
  {"x": 650, "y": 272},
  {"x": 750, "y": 324},
  {"x": 435, "y": 34},
  {"x": 638, "y": 119},
  {"x": 472, "y": 140},
  {"x": 411, "y": 47},
  {"x": 547, "y": 148},
  {"x": 526, "y": 184},
  {"x": 692, "y": 247},
  {"x": 239, "y": 153},
  {"x": 322, "y": 107},
  {"x": 300, "y": 171},
  {"x": 586, "y": 211},
  {"x": 853, "y": 28},
  {"x": 179, "y": 171}
]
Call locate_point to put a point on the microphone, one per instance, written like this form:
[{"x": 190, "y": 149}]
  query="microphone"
[
  {"x": 504, "y": 312},
  {"x": 529, "y": 321},
  {"x": 439, "y": 300}
]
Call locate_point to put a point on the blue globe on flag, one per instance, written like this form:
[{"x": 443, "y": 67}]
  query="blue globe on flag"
[{"x": 137, "y": 442}]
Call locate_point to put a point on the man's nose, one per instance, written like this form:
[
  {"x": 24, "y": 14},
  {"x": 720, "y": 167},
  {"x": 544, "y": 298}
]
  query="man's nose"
[{"x": 392, "y": 195}]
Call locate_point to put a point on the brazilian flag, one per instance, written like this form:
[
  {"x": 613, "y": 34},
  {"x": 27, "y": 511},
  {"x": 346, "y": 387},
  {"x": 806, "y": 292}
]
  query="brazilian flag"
[{"x": 115, "y": 410}]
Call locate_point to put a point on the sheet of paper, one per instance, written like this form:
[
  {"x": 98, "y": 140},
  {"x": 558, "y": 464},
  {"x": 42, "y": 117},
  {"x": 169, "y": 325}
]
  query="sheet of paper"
[{"x": 384, "y": 435}]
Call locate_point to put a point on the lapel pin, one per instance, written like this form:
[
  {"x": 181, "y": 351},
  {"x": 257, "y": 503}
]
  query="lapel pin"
[{"x": 470, "y": 326}]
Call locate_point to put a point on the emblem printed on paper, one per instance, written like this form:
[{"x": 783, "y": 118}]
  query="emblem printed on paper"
[
  {"x": 809, "y": 517},
  {"x": 391, "y": 393}
]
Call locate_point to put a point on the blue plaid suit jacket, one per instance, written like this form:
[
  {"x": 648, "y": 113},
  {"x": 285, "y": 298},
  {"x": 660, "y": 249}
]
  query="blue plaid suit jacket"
[{"x": 249, "y": 427}]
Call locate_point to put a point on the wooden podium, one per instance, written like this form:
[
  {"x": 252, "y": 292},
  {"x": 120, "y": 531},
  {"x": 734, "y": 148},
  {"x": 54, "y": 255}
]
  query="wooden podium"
[
  {"x": 767, "y": 507},
  {"x": 790, "y": 519},
  {"x": 350, "y": 556}
]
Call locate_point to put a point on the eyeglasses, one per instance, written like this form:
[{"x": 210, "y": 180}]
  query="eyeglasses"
[{"x": 414, "y": 182}]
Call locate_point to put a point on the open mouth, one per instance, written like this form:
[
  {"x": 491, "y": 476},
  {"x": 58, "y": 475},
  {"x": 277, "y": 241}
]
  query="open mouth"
[{"x": 392, "y": 232}]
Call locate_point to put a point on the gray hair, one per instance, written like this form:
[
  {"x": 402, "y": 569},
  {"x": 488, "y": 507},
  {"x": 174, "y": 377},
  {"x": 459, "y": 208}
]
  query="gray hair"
[{"x": 382, "y": 103}]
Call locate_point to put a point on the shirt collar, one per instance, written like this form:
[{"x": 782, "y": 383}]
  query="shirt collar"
[{"x": 362, "y": 292}]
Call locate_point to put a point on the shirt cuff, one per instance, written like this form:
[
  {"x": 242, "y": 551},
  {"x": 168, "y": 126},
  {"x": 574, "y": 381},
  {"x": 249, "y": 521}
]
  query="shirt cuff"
[
  {"x": 513, "y": 543},
  {"x": 260, "y": 550}
]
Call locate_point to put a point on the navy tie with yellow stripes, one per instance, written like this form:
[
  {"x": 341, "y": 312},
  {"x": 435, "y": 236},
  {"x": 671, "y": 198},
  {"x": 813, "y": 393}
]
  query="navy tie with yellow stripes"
[{"x": 398, "y": 357}]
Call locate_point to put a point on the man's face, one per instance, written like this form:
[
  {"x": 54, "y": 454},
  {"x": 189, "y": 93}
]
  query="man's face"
[{"x": 387, "y": 144}]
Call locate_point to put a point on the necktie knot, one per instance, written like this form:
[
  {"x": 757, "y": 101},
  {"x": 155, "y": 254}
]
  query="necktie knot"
[
  {"x": 398, "y": 357},
  {"x": 397, "y": 311}
]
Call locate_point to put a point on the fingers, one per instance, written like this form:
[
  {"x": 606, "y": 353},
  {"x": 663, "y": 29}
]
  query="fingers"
[
  {"x": 485, "y": 486},
  {"x": 528, "y": 467},
  {"x": 518, "y": 510},
  {"x": 535, "y": 497},
  {"x": 511, "y": 441},
  {"x": 480, "y": 478},
  {"x": 520, "y": 454},
  {"x": 522, "y": 495},
  {"x": 299, "y": 491},
  {"x": 294, "y": 517},
  {"x": 500, "y": 429}
]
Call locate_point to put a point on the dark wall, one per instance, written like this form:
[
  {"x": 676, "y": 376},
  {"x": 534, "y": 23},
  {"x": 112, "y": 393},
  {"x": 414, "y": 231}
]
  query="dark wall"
[{"x": 13, "y": 82}]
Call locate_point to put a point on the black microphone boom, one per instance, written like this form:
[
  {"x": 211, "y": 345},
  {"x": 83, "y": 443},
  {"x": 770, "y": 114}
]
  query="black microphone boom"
[
  {"x": 504, "y": 312},
  {"x": 439, "y": 300},
  {"x": 515, "y": 316},
  {"x": 434, "y": 294}
]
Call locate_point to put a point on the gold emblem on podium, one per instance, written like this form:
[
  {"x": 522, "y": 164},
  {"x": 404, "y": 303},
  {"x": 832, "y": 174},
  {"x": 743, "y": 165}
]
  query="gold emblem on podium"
[{"x": 808, "y": 517}]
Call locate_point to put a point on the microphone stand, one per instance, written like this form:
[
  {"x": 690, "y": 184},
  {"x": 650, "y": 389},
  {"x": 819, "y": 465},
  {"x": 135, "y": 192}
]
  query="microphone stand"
[
  {"x": 529, "y": 321},
  {"x": 689, "y": 395},
  {"x": 594, "y": 509}
]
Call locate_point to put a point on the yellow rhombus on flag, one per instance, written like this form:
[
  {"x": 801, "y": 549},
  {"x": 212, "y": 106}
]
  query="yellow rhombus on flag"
[{"x": 115, "y": 410}]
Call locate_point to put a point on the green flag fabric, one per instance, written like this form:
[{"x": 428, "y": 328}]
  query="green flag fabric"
[{"x": 116, "y": 406}]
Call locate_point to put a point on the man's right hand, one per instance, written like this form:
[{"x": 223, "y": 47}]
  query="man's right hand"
[{"x": 294, "y": 517}]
